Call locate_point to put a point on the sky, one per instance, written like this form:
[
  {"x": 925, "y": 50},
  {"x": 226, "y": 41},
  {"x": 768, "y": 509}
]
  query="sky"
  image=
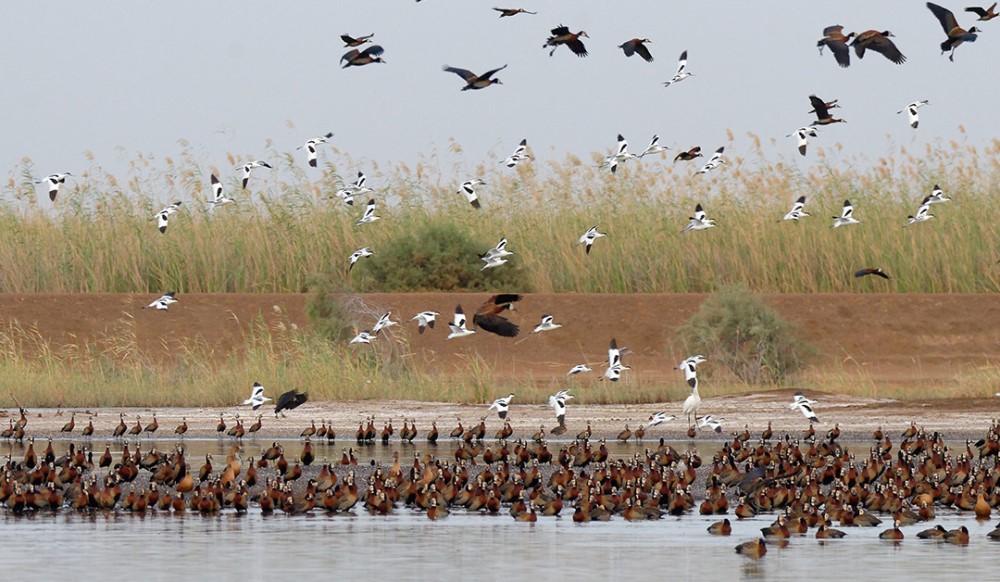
[{"x": 122, "y": 79}]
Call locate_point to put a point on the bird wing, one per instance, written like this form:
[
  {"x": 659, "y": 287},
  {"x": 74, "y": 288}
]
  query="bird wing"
[
  {"x": 350, "y": 55},
  {"x": 629, "y": 47},
  {"x": 699, "y": 212},
  {"x": 944, "y": 16},
  {"x": 496, "y": 324},
  {"x": 644, "y": 52},
  {"x": 459, "y": 317},
  {"x": 819, "y": 106},
  {"x": 622, "y": 144},
  {"x": 717, "y": 155},
  {"x": 560, "y": 30},
  {"x": 492, "y": 72},
  {"x": 887, "y": 48},
  {"x": 799, "y": 204},
  {"x": 373, "y": 51},
  {"x": 682, "y": 63},
  {"x": 841, "y": 52},
  {"x": 576, "y": 45},
  {"x": 848, "y": 209},
  {"x": 832, "y": 29},
  {"x": 466, "y": 74},
  {"x": 977, "y": 10}
]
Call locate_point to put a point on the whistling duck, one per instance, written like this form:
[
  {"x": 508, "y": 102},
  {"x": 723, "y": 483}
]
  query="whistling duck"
[
  {"x": 561, "y": 35},
  {"x": 309, "y": 430},
  {"x": 152, "y": 426},
  {"x": 776, "y": 530},
  {"x": 935, "y": 533},
  {"x": 221, "y": 427},
  {"x": 958, "y": 536},
  {"x": 689, "y": 155},
  {"x": 956, "y": 34},
  {"x": 893, "y": 533},
  {"x": 307, "y": 453},
  {"x": 9, "y": 431},
  {"x": 69, "y": 426},
  {"x": 289, "y": 401},
  {"x": 474, "y": 81},
  {"x": 350, "y": 41},
  {"x": 488, "y": 315},
  {"x": 88, "y": 430},
  {"x": 721, "y": 528},
  {"x": 432, "y": 435},
  {"x": 637, "y": 46},
  {"x": 823, "y": 116},
  {"x": 458, "y": 431},
  {"x": 182, "y": 427},
  {"x": 358, "y": 58},
  {"x": 137, "y": 429},
  {"x": 584, "y": 434},
  {"x": 754, "y": 549},
  {"x": 515, "y": 11},
  {"x": 878, "y": 42},
  {"x": 121, "y": 428},
  {"x": 826, "y": 533},
  {"x": 836, "y": 40},
  {"x": 30, "y": 458},
  {"x": 984, "y": 14},
  {"x": 256, "y": 426}
]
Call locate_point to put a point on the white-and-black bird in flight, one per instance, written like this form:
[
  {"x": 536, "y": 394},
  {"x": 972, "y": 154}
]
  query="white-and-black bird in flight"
[
  {"x": 289, "y": 400},
  {"x": 654, "y": 147},
  {"x": 804, "y": 405},
  {"x": 501, "y": 405},
  {"x": 496, "y": 256},
  {"x": 615, "y": 366},
  {"x": 803, "y": 134},
  {"x": 876, "y": 271},
  {"x": 579, "y": 369},
  {"x": 519, "y": 155},
  {"x": 690, "y": 363},
  {"x": 846, "y": 216},
  {"x": 682, "y": 72},
  {"x": 363, "y": 337},
  {"x": 699, "y": 221},
  {"x": 474, "y": 81},
  {"x": 311, "y": 146},
  {"x": 219, "y": 197},
  {"x": 164, "y": 302},
  {"x": 369, "y": 216},
  {"x": 620, "y": 156},
  {"x": 923, "y": 213},
  {"x": 457, "y": 327},
  {"x": 358, "y": 188},
  {"x": 249, "y": 167},
  {"x": 798, "y": 210},
  {"x": 658, "y": 418},
  {"x": 257, "y": 398},
  {"x": 469, "y": 189},
  {"x": 558, "y": 403},
  {"x": 714, "y": 162},
  {"x": 546, "y": 325},
  {"x": 162, "y": 217},
  {"x": 937, "y": 196},
  {"x": 54, "y": 181},
  {"x": 385, "y": 321},
  {"x": 425, "y": 319},
  {"x": 710, "y": 422},
  {"x": 359, "y": 254},
  {"x": 590, "y": 236},
  {"x": 911, "y": 112}
]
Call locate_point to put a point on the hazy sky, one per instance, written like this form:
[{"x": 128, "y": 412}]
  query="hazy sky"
[{"x": 119, "y": 78}]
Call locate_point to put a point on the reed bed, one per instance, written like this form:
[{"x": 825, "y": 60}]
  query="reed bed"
[{"x": 286, "y": 228}]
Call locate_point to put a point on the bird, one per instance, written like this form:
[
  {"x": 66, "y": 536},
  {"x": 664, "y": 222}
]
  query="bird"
[
  {"x": 846, "y": 216},
  {"x": 579, "y": 369},
  {"x": 249, "y": 168},
  {"x": 710, "y": 422},
  {"x": 358, "y": 188},
  {"x": 797, "y": 210},
  {"x": 384, "y": 321},
  {"x": 714, "y": 162},
  {"x": 358, "y": 255},
  {"x": 520, "y": 154},
  {"x": 619, "y": 157},
  {"x": 956, "y": 34},
  {"x": 562, "y": 36},
  {"x": 162, "y": 217},
  {"x": 359, "y": 58},
  {"x": 54, "y": 181},
  {"x": 984, "y": 14},
  {"x": 497, "y": 255},
  {"x": 615, "y": 366},
  {"x": 311, "y": 145},
  {"x": 637, "y": 46},
  {"x": 804, "y": 405},
  {"x": 493, "y": 261},
  {"x": 692, "y": 404},
  {"x": 699, "y": 221},
  {"x": 257, "y": 398},
  {"x": 512, "y": 11},
  {"x": 474, "y": 81},
  {"x": 557, "y": 402},
  {"x": 425, "y": 319},
  {"x": 164, "y": 302},
  {"x": 753, "y": 549},
  {"x": 350, "y": 41},
  {"x": 803, "y": 134},
  {"x": 682, "y": 72},
  {"x": 876, "y": 271},
  {"x": 878, "y": 42},
  {"x": 911, "y": 112},
  {"x": 688, "y": 155},
  {"x": 937, "y": 196},
  {"x": 654, "y": 147},
  {"x": 546, "y": 325},
  {"x": 458, "y": 328},
  {"x": 369, "y": 216},
  {"x": 469, "y": 189},
  {"x": 923, "y": 213},
  {"x": 836, "y": 40},
  {"x": 290, "y": 400},
  {"x": 822, "y": 111},
  {"x": 488, "y": 315},
  {"x": 589, "y": 237},
  {"x": 658, "y": 418},
  {"x": 218, "y": 196},
  {"x": 690, "y": 363},
  {"x": 364, "y": 337},
  {"x": 501, "y": 405}
]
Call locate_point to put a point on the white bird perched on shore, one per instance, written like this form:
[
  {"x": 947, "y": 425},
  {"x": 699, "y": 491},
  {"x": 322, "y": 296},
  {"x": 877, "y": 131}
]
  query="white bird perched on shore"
[
  {"x": 248, "y": 168},
  {"x": 846, "y": 216},
  {"x": 714, "y": 162},
  {"x": 310, "y": 147},
  {"x": 469, "y": 189},
  {"x": 425, "y": 319},
  {"x": 911, "y": 112},
  {"x": 803, "y": 134},
  {"x": 458, "y": 328},
  {"x": 164, "y": 302},
  {"x": 383, "y": 322},
  {"x": 501, "y": 405},
  {"x": 692, "y": 404},
  {"x": 546, "y": 325},
  {"x": 923, "y": 213},
  {"x": 654, "y": 147},
  {"x": 798, "y": 210},
  {"x": 219, "y": 198},
  {"x": 558, "y": 403},
  {"x": 804, "y": 405},
  {"x": 54, "y": 181},
  {"x": 658, "y": 418},
  {"x": 615, "y": 366},
  {"x": 162, "y": 217},
  {"x": 590, "y": 236},
  {"x": 579, "y": 369},
  {"x": 364, "y": 337},
  {"x": 619, "y": 157},
  {"x": 699, "y": 221},
  {"x": 257, "y": 398},
  {"x": 358, "y": 188},
  {"x": 520, "y": 154},
  {"x": 710, "y": 422},
  {"x": 359, "y": 254},
  {"x": 682, "y": 72},
  {"x": 369, "y": 215},
  {"x": 937, "y": 196}
]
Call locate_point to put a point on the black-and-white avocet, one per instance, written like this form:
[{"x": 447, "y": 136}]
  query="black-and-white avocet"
[
  {"x": 714, "y": 162},
  {"x": 711, "y": 423},
  {"x": 520, "y": 154},
  {"x": 248, "y": 168},
  {"x": 496, "y": 256},
  {"x": 384, "y": 322},
  {"x": 682, "y": 72},
  {"x": 458, "y": 328},
  {"x": 369, "y": 216},
  {"x": 546, "y": 325},
  {"x": 162, "y": 217},
  {"x": 469, "y": 189},
  {"x": 579, "y": 369},
  {"x": 54, "y": 181},
  {"x": 803, "y": 405},
  {"x": 558, "y": 403},
  {"x": 311, "y": 145},
  {"x": 923, "y": 213},
  {"x": 425, "y": 319},
  {"x": 615, "y": 366},
  {"x": 501, "y": 405},
  {"x": 803, "y": 134},
  {"x": 654, "y": 147},
  {"x": 658, "y": 418},
  {"x": 257, "y": 398},
  {"x": 699, "y": 221},
  {"x": 363, "y": 337},
  {"x": 590, "y": 236},
  {"x": 164, "y": 302},
  {"x": 937, "y": 196},
  {"x": 846, "y": 216},
  {"x": 219, "y": 197},
  {"x": 358, "y": 188},
  {"x": 911, "y": 112},
  {"x": 798, "y": 210},
  {"x": 359, "y": 254},
  {"x": 620, "y": 156}
]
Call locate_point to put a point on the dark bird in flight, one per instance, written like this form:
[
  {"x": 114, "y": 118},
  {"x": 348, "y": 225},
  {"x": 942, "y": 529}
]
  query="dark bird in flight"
[
  {"x": 488, "y": 316},
  {"x": 290, "y": 400},
  {"x": 835, "y": 39},
  {"x": 637, "y": 46},
  {"x": 956, "y": 34},
  {"x": 474, "y": 81},
  {"x": 358, "y": 58},
  {"x": 877, "y": 271},
  {"x": 689, "y": 155},
  {"x": 879, "y": 42},
  {"x": 512, "y": 11},
  {"x": 562, "y": 35},
  {"x": 351, "y": 41},
  {"x": 984, "y": 14},
  {"x": 822, "y": 112}
]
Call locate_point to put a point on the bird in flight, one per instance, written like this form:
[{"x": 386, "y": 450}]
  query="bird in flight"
[
  {"x": 877, "y": 271},
  {"x": 615, "y": 366},
  {"x": 350, "y": 41},
  {"x": 164, "y": 302},
  {"x": 803, "y": 134},
  {"x": 984, "y": 13},
  {"x": 699, "y": 221},
  {"x": 512, "y": 11},
  {"x": 257, "y": 398},
  {"x": 385, "y": 321},
  {"x": 219, "y": 197},
  {"x": 311, "y": 145},
  {"x": 688, "y": 155},
  {"x": 248, "y": 168},
  {"x": 54, "y": 181},
  {"x": 546, "y": 325},
  {"x": 937, "y": 196},
  {"x": 797, "y": 210},
  {"x": 682, "y": 72},
  {"x": 923, "y": 213},
  {"x": 822, "y": 110},
  {"x": 804, "y": 405},
  {"x": 360, "y": 58},
  {"x": 364, "y": 337},
  {"x": 474, "y": 81},
  {"x": 358, "y": 188},
  {"x": 425, "y": 319},
  {"x": 879, "y": 42},
  {"x": 562, "y": 36},
  {"x": 590, "y": 236},
  {"x": 369, "y": 215},
  {"x": 714, "y": 162},
  {"x": 579, "y": 369},
  {"x": 956, "y": 34},
  {"x": 469, "y": 189},
  {"x": 501, "y": 405},
  {"x": 358, "y": 255},
  {"x": 557, "y": 402},
  {"x": 846, "y": 216},
  {"x": 911, "y": 112},
  {"x": 458, "y": 328},
  {"x": 489, "y": 317},
  {"x": 289, "y": 401},
  {"x": 637, "y": 46},
  {"x": 836, "y": 40},
  {"x": 162, "y": 217},
  {"x": 520, "y": 154}
]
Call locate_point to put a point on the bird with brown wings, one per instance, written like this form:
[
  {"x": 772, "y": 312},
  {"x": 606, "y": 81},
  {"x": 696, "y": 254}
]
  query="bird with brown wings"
[{"x": 489, "y": 317}]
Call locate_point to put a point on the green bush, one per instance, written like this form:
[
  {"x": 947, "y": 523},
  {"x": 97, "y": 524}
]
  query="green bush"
[
  {"x": 737, "y": 330},
  {"x": 437, "y": 257}
]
